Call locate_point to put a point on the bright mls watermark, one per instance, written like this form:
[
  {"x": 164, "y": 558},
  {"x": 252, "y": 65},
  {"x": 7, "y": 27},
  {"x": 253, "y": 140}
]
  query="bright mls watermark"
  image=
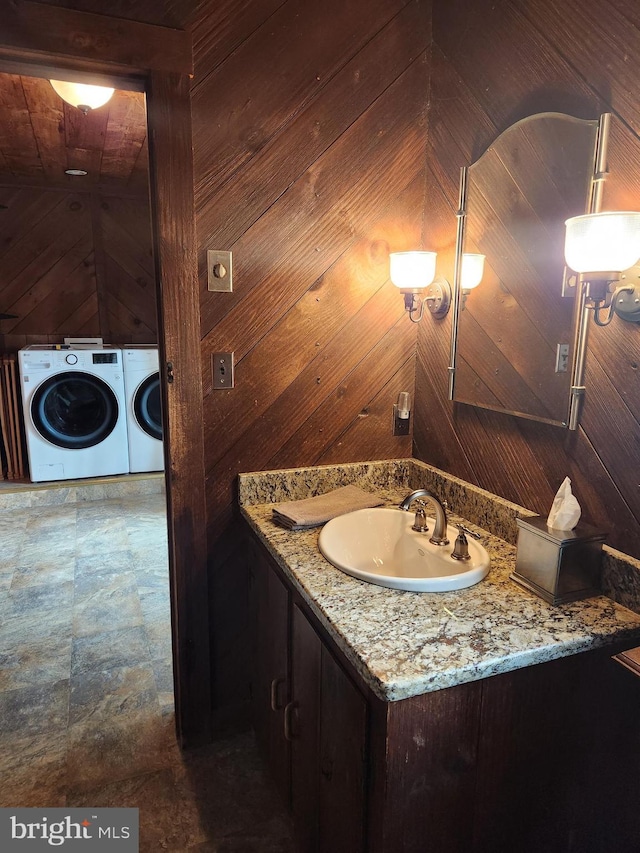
[{"x": 69, "y": 829}]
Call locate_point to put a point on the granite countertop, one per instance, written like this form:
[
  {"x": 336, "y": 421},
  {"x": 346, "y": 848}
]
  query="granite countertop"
[{"x": 407, "y": 643}]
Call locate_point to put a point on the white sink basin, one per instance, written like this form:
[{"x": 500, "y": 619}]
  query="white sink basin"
[{"x": 379, "y": 546}]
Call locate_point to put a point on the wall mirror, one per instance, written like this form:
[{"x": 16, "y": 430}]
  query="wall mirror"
[{"x": 518, "y": 339}]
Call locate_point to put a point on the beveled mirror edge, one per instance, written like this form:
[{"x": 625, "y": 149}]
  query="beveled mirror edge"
[{"x": 580, "y": 322}]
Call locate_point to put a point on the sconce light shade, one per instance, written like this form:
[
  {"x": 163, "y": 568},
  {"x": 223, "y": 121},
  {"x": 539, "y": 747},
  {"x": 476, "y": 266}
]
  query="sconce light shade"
[
  {"x": 600, "y": 247},
  {"x": 412, "y": 270},
  {"x": 602, "y": 242},
  {"x": 81, "y": 95},
  {"x": 471, "y": 271},
  {"x": 414, "y": 273}
]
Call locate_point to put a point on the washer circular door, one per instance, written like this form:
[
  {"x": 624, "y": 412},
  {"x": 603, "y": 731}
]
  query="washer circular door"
[
  {"x": 146, "y": 406},
  {"x": 74, "y": 410}
]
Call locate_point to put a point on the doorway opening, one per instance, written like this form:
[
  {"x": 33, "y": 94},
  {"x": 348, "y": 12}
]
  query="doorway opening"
[
  {"x": 94, "y": 48},
  {"x": 85, "y": 576}
]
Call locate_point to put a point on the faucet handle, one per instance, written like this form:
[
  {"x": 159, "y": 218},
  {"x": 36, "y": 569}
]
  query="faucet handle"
[
  {"x": 420, "y": 521},
  {"x": 461, "y": 547},
  {"x": 463, "y": 529}
]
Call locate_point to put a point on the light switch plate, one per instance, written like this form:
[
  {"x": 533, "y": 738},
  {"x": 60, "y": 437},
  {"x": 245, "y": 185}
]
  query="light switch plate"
[
  {"x": 222, "y": 364},
  {"x": 219, "y": 271}
]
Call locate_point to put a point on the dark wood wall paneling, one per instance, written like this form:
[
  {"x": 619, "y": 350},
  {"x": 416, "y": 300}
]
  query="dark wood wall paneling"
[
  {"x": 492, "y": 64},
  {"x": 309, "y": 149},
  {"x": 164, "y": 13},
  {"x": 77, "y": 265}
]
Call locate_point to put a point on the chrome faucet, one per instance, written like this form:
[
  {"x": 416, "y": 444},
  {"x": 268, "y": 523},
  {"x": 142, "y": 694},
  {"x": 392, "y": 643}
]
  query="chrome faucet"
[{"x": 439, "y": 536}]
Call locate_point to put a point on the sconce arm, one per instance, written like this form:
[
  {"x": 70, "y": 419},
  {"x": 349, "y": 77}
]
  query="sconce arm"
[
  {"x": 437, "y": 296},
  {"x": 611, "y": 305},
  {"x": 413, "y": 303}
]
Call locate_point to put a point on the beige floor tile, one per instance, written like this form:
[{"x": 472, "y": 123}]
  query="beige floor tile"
[
  {"x": 109, "y": 649},
  {"x": 169, "y": 820},
  {"x": 105, "y": 600},
  {"x": 97, "y": 536},
  {"x": 33, "y": 661},
  {"x": 87, "y": 718},
  {"x": 112, "y": 694},
  {"x": 33, "y": 710},
  {"x": 35, "y": 613},
  {"x": 158, "y": 639},
  {"x": 36, "y": 601},
  {"x": 33, "y": 771},
  {"x": 43, "y": 570},
  {"x": 163, "y": 673},
  {"x": 100, "y": 752}
]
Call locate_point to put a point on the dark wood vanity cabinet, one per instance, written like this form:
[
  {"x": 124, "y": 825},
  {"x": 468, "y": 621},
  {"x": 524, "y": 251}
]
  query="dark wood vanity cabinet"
[
  {"x": 545, "y": 759},
  {"x": 310, "y": 718},
  {"x": 270, "y": 686}
]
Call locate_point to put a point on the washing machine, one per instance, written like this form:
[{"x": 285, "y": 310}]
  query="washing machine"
[
  {"x": 74, "y": 411},
  {"x": 144, "y": 415}
]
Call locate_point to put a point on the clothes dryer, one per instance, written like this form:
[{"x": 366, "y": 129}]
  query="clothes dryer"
[
  {"x": 144, "y": 414},
  {"x": 74, "y": 411}
]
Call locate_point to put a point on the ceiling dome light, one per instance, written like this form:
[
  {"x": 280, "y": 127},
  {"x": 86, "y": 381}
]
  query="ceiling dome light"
[{"x": 81, "y": 95}]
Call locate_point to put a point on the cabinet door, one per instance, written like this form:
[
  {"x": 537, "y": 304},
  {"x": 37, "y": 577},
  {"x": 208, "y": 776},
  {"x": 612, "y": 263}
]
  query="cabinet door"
[
  {"x": 306, "y": 661},
  {"x": 559, "y": 759},
  {"x": 328, "y": 747},
  {"x": 270, "y": 680}
]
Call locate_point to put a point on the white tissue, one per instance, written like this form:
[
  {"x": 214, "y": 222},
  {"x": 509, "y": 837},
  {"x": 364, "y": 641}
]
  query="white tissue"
[{"x": 565, "y": 510}]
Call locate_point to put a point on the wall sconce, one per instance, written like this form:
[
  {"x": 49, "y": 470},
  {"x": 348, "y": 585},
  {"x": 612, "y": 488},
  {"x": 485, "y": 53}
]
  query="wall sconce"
[
  {"x": 599, "y": 247},
  {"x": 81, "y": 95},
  {"x": 471, "y": 272},
  {"x": 414, "y": 273}
]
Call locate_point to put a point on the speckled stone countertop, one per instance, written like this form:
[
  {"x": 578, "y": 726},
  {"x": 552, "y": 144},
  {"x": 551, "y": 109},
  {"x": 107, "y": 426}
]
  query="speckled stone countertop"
[{"x": 405, "y": 643}]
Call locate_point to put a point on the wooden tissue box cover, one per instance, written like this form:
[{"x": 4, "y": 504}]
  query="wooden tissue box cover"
[{"x": 558, "y": 565}]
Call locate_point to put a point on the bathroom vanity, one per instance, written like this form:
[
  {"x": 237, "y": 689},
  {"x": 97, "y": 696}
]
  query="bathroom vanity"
[{"x": 482, "y": 719}]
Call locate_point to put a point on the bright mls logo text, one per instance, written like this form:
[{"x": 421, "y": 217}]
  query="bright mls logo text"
[
  {"x": 60, "y": 831},
  {"x": 28, "y": 829}
]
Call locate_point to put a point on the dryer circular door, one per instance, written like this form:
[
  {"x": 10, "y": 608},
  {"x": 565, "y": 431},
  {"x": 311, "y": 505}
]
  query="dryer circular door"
[
  {"x": 146, "y": 406},
  {"x": 74, "y": 410}
]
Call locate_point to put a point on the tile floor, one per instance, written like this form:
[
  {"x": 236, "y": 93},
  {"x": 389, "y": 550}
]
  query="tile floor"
[{"x": 86, "y": 702}]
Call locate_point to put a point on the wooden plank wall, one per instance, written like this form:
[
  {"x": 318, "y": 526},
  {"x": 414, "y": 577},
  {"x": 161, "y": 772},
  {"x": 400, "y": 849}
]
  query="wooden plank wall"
[
  {"x": 494, "y": 62},
  {"x": 125, "y": 271},
  {"x": 75, "y": 264},
  {"x": 309, "y": 144},
  {"x": 309, "y": 138}
]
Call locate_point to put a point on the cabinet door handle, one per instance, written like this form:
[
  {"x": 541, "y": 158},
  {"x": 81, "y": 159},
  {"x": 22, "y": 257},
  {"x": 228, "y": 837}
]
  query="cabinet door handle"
[
  {"x": 288, "y": 714},
  {"x": 275, "y": 704}
]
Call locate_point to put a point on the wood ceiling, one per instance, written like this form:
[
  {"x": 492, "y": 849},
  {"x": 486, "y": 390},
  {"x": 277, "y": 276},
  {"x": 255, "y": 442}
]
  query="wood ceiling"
[{"x": 41, "y": 136}]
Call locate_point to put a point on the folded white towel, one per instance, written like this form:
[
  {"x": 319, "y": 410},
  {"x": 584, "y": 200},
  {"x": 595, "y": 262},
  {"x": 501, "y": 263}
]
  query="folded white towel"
[{"x": 312, "y": 512}]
